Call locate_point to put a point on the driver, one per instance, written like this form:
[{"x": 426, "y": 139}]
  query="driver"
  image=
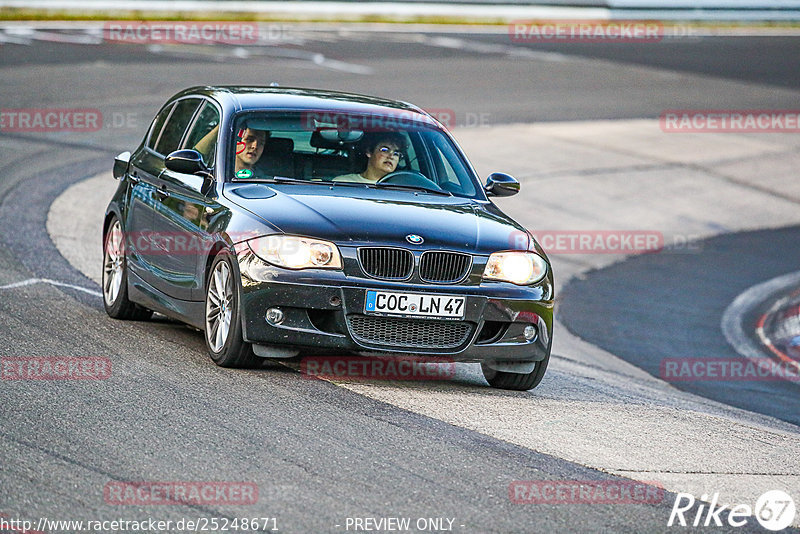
[{"x": 383, "y": 154}]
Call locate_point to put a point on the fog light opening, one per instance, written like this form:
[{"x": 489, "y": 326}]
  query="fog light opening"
[
  {"x": 274, "y": 316},
  {"x": 529, "y": 332}
]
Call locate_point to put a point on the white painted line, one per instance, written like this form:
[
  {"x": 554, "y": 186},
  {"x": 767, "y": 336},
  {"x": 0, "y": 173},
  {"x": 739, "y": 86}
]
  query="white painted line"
[
  {"x": 703, "y": 4},
  {"x": 738, "y": 15},
  {"x": 66, "y": 38},
  {"x": 766, "y": 10},
  {"x": 5, "y": 38},
  {"x": 491, "y": 48},
  {"x": 32, "y": 281},
  {"x": 764, "y": 337},
  {"x": 315, "y": 58},
  {"x": 333, "y": 64},
  {"x": 322, "y": 9}
]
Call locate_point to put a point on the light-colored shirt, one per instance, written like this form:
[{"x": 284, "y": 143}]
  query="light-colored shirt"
[{"x": 357, "y": 178}]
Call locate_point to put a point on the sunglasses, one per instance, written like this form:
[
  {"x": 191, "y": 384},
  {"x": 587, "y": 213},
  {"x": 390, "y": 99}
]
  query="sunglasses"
[{"x": 388, "y": 151}]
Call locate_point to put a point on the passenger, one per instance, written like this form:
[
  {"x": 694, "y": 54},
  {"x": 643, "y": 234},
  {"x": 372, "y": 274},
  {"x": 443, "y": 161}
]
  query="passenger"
[
  {"x": 207, "y": 144},
  {"x": 383, "y": 155}
]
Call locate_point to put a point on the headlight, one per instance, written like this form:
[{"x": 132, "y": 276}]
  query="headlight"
[
  {"x": 296, "y": 252},
  {"x": 521, "y": 268}
]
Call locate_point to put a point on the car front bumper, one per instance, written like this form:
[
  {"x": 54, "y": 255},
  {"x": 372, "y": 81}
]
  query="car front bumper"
[{"x": 326, "y": 310}]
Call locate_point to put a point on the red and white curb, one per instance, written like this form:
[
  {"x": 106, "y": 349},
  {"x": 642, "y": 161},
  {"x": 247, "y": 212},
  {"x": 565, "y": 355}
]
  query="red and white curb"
[{"x": 732, "y": 323}]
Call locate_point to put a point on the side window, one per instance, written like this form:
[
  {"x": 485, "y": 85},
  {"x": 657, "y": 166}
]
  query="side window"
[
  {"x": 411, "y": 162},
  {"x": 450, "y": 165},
  {"x": 203, "y": 136},
  {"x": 173, "y": 131},
  {"x": 157, "y": 125},
  {"x": 417, "y": 160},
  {"x": 449, "y": 172}
]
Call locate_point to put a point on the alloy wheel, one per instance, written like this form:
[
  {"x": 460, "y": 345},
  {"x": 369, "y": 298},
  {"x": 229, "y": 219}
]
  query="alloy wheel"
[
  {"x": 113, "y": 264},
  {"x": 219, "y": 301}
]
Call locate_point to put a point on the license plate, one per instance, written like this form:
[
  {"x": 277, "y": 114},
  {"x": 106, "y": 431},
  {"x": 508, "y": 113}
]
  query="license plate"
[{"x": 416, "y": 304}]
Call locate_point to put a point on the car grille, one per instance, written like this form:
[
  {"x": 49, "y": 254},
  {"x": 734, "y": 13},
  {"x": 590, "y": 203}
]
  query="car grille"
[
  {"x": 386, "y": 263},
  {"x": 444, "y": 267},
  {"x": 409, "y": 333},
  {"x": 435, "y": 266}
]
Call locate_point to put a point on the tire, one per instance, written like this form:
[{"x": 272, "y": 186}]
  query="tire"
[
  {"x": 515, "y": 381},
  {"x": 222, "y": 322},
  {"x": 115, "y": 278}
]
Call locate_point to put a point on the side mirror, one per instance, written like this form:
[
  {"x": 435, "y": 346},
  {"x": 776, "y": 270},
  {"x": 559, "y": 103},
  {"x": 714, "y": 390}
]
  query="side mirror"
[
  {"x": 501, "y": 185},
  {"x": 121, "y": 165},
  {"x": 186, "y": 162},
  {"x": 191, "y": 162}
]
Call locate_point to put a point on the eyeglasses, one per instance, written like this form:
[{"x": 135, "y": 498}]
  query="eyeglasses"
[{"x": 388, "y": 151}]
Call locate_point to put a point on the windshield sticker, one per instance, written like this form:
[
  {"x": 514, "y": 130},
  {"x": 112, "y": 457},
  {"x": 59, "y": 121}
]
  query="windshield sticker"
[{"x": 244, "y": 173}]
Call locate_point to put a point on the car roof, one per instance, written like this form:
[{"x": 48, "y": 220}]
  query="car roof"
[{"x": 243, "y": 98}]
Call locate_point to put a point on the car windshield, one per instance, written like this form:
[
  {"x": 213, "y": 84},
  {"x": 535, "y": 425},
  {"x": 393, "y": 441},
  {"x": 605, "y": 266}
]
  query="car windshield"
[{"x": 373, "y": 151}]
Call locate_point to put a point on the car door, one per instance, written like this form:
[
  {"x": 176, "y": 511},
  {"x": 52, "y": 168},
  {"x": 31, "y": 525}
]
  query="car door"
[
  {"x": 181, "y": 213},
  {"x": 145, "y": 166}
]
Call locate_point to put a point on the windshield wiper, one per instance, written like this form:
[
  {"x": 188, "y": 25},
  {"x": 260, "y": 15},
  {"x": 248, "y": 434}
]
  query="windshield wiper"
[
  {"x": 415, "y": 188},
  {"x": 287, "y": 180},
  {"x": 274, "y": 179}
]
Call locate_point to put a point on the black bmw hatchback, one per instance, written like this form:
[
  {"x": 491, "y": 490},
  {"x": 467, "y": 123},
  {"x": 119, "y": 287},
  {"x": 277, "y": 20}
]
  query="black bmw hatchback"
[{"x": 280, "y": 220}]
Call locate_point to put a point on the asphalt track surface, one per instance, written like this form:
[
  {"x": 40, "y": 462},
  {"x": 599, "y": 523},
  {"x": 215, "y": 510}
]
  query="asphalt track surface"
[
  {"x": 317, "y": 452},
  {"x": 670, "y": 307}
]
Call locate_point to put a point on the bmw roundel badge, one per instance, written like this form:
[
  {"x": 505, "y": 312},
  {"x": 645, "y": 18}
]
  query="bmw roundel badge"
[{"x": 414, "y": 239}]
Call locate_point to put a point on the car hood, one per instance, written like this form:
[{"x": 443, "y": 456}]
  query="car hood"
[{"x": 356, "y": 216}]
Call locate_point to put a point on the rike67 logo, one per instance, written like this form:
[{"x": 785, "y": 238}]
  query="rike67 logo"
[{"x": 774, "y": 510}]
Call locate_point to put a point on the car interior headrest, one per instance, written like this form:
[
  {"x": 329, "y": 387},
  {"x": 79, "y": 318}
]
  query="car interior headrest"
[
  {"x": 279, "y": 145},
  {"x": 335, "y": 139}
]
